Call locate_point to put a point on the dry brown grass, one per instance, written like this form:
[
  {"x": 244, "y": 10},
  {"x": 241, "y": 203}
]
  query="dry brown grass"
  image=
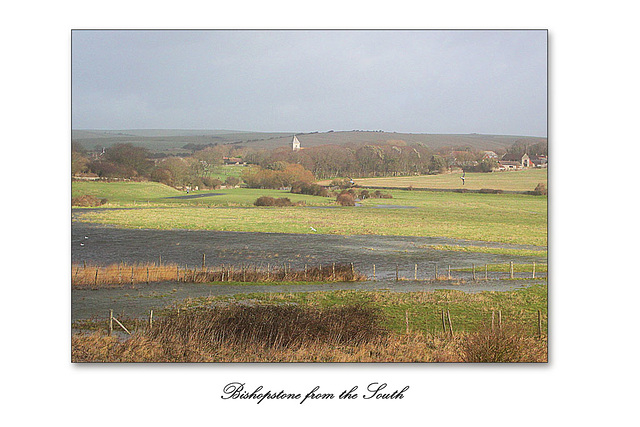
[
  {"x": 289, "y": 333},
  {"x": 116, "y": 275}
]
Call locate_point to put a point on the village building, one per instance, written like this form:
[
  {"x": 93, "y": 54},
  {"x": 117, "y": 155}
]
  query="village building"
[
  {"x": 295, "y": 143},
  {"x": 512, "y": 161},
  {"x": 233, "y": 161}
]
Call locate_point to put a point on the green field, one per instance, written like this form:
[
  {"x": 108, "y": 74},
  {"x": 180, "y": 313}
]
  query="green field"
[
  {"x": 506, "y": 218},
  {"x": 423, "y": 309},
  {"x": 525, "y": 180}
]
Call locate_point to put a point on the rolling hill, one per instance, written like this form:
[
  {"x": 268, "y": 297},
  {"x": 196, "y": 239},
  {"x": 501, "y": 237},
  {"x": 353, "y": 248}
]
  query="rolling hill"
[{"x": 173, "y": 139}]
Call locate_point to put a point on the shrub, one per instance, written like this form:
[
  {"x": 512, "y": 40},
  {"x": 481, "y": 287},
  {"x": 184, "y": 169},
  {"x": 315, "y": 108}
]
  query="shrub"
[
  {"x": 232, "y": 181},
  {"x": 87, "y": 201},
  {"x": 272, "y": 201},
  {"x": 507, "y": 344},
  {"x": 301, "y": 187},
  {"x": 346, "y": 199},
  {"x": 540, "y": 190},
  {"x": 213, "y": 183}
]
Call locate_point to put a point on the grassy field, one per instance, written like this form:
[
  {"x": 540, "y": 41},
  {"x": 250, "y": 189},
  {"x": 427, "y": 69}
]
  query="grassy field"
[
  {"x": 153, "y": 194},
  {"x": 506, "y": 218},
  {"x": 468, "y": 310},
  {"x": 525, "y": 180}
]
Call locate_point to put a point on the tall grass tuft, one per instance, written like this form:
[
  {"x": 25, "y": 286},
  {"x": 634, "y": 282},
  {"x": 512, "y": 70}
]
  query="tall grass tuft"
[
  {"x": 509, "y": 343},
  {"x": 114, "y": 275}
]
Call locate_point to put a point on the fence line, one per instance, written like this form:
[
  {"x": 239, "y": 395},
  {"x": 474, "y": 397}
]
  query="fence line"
[{"x": 93, "y": 276}]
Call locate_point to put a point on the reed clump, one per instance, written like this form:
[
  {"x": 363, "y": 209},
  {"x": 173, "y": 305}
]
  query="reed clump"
[{"x": 122, "y": 274}]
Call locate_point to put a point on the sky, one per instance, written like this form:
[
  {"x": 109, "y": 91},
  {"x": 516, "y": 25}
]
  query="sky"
[{"x": 489, "y": 82}]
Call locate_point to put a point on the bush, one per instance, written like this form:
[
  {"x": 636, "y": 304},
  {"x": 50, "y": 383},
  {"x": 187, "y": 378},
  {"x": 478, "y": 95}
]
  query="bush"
[
  {"x": 208, "y": 182},
  {"x": 272, "y": 201},
  {"x": 507, "y": 344},
  {"x": 380, "y": 195},
  {"x": 346, "y": 199},
  {"x": 87, "y": 201},
  {"x": 540, "y": 190},
  {"x": 232, "y": 181},
  {"x": 301, "y": 187}
]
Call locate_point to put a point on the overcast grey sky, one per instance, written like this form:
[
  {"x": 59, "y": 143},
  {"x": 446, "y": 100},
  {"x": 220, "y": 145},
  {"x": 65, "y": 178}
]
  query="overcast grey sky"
[{"x": 491, "y": 82}]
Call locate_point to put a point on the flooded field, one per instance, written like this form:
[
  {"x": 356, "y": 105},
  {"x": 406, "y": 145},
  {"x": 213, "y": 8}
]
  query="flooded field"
[{"x": 102, "y": 245}]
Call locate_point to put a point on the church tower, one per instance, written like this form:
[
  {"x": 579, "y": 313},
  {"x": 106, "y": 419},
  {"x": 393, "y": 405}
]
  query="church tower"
[{"x": 295, "y": 143}]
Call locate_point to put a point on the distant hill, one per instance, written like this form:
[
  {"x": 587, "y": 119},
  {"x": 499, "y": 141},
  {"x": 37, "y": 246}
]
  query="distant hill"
[{"x": 167, "y": 140}]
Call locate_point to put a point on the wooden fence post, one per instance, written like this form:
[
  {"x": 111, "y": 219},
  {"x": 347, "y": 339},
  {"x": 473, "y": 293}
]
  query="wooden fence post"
[
  {"x": 435, "y": 272},
  {"x": 150, "y": 319},
  {"x": 511, "y": 269},
  {"x": 444, "y": 326},
  {"x": 415, "y": 272},
  {"x": 449, "y": 272},
  {"x": 95, "y": 281},
  {"x": 353, "y": 273},
  {"x": 110, "y": 322},
  {"x": 500, "y": 319},
  {"x": 450, "y": 325},
  {"x": 396, "y": 272},
  {"x": 203, "y": 261},
  {"x": 486, "y": 272},
  {"x": 147, "y": 274},
  {"x": 374, "y": 272},
  {"x": 473, "y": 270},
  {"x": 131, "y": 275},
  {"x": 533, "y": 276}
]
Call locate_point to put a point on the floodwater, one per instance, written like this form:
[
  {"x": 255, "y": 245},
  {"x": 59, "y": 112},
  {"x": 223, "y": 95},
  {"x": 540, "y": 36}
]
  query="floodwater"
[
  {"x": 138, "y": 301},
  {"x": 103, "y": 245}
]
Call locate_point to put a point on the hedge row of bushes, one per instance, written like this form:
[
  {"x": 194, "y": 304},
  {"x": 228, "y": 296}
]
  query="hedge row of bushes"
[{"x": 272, "y": 201}]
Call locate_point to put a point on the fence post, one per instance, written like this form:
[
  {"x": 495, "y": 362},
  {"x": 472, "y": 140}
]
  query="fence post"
[
  {"x": 110, "y": 322},
  {"x": 150, "y": 319},
  {"x": 449, "y": 274},
  {"x": 353, "y": 273},
  {"x": 203, "y": 263},
  {"x": 493, "y": 315},
  {"x": 511, "y": 269},
  {"x": 435, "y": 272},
  {"x": 486, "y": 272},
  {"x": 374, "y": 272},
  {"x": 95, "y": 281},
  {"x": 444, "y": 326},
  {"x": 147, "y": 274},
  {"x": 450, "y": 325},
  {"x": 534, "y": 270},
  {"x": 333, "y": 271},
  {"x": 131, "y": 275},
  {"x": 396, "y": 272},
  {"x": 500, "y": 319},
  {"x": 415, "y": 272},
  {"x": 473, "y": 270}
]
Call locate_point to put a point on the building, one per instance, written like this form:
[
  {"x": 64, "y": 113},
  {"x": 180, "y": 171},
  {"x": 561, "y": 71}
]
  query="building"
[
  {"x": 295, "y": 144},
  {"x": 515, "y": 161}
]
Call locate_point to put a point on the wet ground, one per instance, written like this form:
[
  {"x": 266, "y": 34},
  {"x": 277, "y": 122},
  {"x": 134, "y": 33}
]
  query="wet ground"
[
  {"x": 138, "y": 301},
  {"x": 103, "y": 245}
]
